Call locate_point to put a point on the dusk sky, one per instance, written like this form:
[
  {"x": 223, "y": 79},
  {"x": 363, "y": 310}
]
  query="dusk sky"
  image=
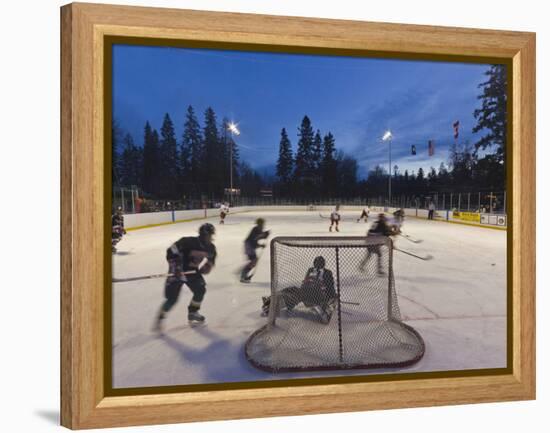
[{"x": 357, "y": 99}]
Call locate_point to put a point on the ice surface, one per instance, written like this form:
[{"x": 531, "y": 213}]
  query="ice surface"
[{"x": 457, "y": 301}]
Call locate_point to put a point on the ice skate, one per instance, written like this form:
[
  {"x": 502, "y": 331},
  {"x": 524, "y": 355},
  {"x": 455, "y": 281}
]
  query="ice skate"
[
  {"x": 158, "y": 326},
  {"x": 327, "y": 312},
  {"x": 266, "y": 300},
  {"x": 195, "y": 318}
]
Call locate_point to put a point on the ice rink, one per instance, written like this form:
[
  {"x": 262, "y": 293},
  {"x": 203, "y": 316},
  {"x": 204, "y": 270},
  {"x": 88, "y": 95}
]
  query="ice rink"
[{"x": 456, "y": 301}]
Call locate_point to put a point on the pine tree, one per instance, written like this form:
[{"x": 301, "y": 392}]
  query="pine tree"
[
  {"x": 151, "y": 167},
  {"x": 285, "y": 161},
  {"x": 251, "y": 181},
  {"x": 212, "y": 167},
  {"x": 192, "y": 152},
  {"x": 462, "y": 164},
  {"x": 420, "y": 180},
  {"x": 304, "y": 163},
  {"x": 130, "y": 163},
  {"x": 328, "y": 166},
  {"x": 346, "y": 174},
  {"x": 317, "y": 152},
  {"x": 432, "y": 178},
  {"x": 116, "y": 134},
  {"x": 169, "y": 161},
  {"x": 157, "y": 183},
  {"x": 491, "y": 116}
]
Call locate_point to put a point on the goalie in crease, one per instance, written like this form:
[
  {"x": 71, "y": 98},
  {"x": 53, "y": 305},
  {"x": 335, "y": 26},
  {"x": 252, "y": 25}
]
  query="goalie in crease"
[{"x": 316, "y": 292}]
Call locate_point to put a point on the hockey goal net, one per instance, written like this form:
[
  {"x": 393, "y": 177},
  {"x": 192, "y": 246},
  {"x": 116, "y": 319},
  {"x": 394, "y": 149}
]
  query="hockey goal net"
[{"x": 342, "y": 315}]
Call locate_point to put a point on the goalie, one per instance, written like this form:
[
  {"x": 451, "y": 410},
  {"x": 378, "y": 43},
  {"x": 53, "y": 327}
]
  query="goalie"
[{"x": 316, "y": 292}]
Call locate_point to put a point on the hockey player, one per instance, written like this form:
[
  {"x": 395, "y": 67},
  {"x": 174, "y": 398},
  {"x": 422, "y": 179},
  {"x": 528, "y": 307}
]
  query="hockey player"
[
  {"x": 188, "y": 259},
  {"x": 251, "y": 244},
  {"x": 117, "y": 222},
  {"x": 379, "y": 228},
  {"x": 316, "y": 292},
  {"x": 335, "y": 218},
  {"x": 364, "y": 214},
  {"x": 398, "y": 218},
  {"x": 224, "y": 210}
]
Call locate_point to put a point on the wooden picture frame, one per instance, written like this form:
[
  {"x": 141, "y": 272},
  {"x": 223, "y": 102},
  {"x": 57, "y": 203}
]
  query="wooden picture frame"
[{"x": 85, "y": 225}]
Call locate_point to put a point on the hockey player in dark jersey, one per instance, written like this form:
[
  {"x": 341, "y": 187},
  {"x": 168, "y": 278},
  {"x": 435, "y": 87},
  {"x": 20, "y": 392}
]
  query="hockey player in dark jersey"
[
  {"x": 251, "y": 244},
  {"x": 379, "y": 228},
  {"x": 117, "y": 223},
  {"x": 364, "y": 214},
  {"x": 316, "y": 292},
  {"x": 188, "y": 259}
]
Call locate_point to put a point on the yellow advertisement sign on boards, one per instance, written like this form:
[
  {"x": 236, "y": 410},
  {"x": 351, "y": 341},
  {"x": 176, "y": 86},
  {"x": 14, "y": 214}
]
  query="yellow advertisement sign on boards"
[{"x": 467, "y": 216}]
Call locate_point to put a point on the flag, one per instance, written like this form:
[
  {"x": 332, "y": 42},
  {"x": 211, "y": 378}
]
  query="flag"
[
  {"x": 431, "y": 147},
  {"x": 413, "y": 150},
  {"x": 455, "y": 127}
]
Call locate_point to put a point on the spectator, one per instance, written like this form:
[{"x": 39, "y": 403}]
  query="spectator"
[{"x": 431, "y": 210}]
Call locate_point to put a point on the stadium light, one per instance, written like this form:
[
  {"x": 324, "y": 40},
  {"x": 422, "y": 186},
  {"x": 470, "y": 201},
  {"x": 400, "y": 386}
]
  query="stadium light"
[
  {"x": 233, "y": 128},
  {"x": 388, "y": 137}
]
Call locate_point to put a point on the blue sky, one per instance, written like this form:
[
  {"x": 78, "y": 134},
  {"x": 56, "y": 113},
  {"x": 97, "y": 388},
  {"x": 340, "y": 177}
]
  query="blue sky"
[{"x": 356, "y": 99}]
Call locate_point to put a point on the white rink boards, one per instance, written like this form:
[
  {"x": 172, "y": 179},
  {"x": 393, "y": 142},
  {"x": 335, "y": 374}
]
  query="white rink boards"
[{"x": 457, "y": 301}]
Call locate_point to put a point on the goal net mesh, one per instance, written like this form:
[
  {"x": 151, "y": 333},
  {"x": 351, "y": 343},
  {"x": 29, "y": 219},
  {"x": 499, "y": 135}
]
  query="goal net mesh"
[{"x": 344, "y": 315}]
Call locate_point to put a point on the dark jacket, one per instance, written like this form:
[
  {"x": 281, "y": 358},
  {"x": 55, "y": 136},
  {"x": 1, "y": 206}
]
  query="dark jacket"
[{"x": 190, "y": 251}]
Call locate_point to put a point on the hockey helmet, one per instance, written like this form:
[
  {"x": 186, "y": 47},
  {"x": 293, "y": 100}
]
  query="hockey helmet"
[
  {"x": 319, "y": 262},
  {"x": 206, "y": 229},
  {"x": 260, "y": 222}
]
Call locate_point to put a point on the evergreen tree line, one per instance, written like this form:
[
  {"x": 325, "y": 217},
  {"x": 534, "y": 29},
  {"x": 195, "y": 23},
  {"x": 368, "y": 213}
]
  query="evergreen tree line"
[
  {"x": 317, "y": 169},
  {"x": 464, "y": 172},
  {"x": 197, "y": 164},
  {"x": 194, "y": 166}
]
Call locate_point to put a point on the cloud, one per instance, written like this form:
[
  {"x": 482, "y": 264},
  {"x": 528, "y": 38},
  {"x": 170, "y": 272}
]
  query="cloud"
[{"x": 414, "y": 116}]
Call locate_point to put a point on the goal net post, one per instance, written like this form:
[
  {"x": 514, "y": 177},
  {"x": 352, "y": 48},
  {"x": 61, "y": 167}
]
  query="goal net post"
[{"x": 333, "y": 305}]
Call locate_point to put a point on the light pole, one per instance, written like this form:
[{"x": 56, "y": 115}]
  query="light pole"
[
  {"x": 387, "y": 137},
  {"x": 232, "y": 127}
]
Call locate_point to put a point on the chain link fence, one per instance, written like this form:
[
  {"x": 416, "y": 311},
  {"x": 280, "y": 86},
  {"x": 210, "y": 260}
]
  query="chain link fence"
[{"x": 131, "y": 200}]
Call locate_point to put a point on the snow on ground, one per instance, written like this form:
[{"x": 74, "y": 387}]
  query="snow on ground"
[{"x": 457, "y": 301}]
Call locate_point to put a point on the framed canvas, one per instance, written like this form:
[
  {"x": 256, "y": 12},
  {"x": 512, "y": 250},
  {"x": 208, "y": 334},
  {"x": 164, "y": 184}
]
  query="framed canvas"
[{"x": 132, "y": 355}]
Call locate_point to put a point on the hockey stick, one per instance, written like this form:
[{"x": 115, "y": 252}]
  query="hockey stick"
[
  {"x": 347, "y": 218},
  {"x": 410, "y": 238},
  {"x": 428, "y": 257},
  {"x": 148, "y": 277},
  {"x": 349, "y": 303}
]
